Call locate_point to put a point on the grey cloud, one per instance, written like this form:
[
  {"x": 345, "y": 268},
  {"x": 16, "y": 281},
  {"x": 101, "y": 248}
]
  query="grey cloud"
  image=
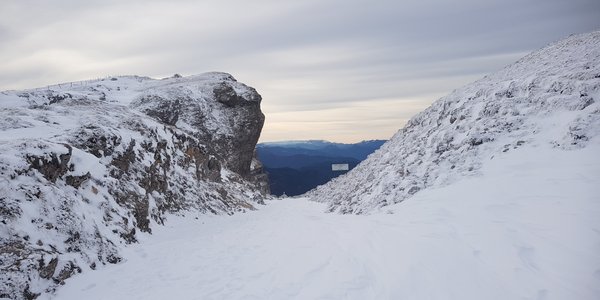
[{"x": 303, "y": 56}]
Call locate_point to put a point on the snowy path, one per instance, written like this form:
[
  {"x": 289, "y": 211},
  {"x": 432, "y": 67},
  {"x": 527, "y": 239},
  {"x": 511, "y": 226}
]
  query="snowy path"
[{"x": 523, "y": 231}]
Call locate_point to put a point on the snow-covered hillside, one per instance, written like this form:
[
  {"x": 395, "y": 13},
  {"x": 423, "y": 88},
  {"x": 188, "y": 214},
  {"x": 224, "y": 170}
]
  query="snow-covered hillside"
[
  {"x": 503, "y": 177},
  {"x": 550, "y": 97},
  {"x": 86, "y": 166},
  {"x": 527, "y": 228}
]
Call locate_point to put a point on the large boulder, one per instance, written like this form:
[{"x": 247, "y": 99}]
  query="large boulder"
[{"x": 229, "y": 108}]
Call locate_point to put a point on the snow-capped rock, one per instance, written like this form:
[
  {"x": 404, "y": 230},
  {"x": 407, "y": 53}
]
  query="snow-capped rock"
[
  {"x": 86, "y": 166},
  {"x": 550, "y": 96}
]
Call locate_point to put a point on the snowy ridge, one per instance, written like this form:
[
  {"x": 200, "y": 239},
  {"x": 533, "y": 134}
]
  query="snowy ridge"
[
  {"x": 86, "y": 167},
  {"x": 547, "y": 99},
  {"x": 125, "y": 90}
]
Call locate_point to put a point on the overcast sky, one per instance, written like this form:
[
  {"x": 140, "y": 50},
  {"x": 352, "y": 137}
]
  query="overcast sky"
[{"x": 327, "y": 69}]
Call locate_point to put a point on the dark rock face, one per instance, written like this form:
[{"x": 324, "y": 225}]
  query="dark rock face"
[
  {"x": 181, "y": 144},
  {"x": 240, "y": 120},
  {"x": 52, "y": 167},
  {"x": 247, "y": 119}
]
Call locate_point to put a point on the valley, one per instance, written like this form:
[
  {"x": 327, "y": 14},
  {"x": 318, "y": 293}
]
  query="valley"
[{"x": 489, "y": 237}]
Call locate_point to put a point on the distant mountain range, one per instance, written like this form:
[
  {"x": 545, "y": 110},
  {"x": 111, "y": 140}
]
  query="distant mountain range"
[{"x": 295, "y": 167}]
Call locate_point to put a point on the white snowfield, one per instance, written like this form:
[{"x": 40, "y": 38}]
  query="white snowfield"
[{"x": 527, "y": 228}]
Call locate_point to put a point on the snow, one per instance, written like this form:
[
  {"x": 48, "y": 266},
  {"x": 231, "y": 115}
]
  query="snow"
[
  {"x": 491, "y": 193},
  {"x": 527, "y": 228},
  {"x": 116, "y": 159},
  {"x": 549, "y": 97}
]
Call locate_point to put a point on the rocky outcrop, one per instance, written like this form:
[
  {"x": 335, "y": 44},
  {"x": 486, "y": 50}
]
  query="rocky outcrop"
[
  {"x": 233, "y": 113},
  {"x": 87, "y": 167}
]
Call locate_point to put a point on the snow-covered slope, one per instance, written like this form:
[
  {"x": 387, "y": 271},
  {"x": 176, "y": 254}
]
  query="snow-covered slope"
[
  {"x": 550, "y": 97},
  {"x": 522, "y": 230},
  {"x": 86, "y": 166}
]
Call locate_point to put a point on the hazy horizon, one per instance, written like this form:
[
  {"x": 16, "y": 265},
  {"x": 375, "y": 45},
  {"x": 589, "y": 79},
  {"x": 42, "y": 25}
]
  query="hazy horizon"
[{"x": 342, "y": 71}]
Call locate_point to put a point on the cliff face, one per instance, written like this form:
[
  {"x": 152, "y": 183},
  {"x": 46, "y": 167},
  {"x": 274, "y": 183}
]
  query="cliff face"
[
  {"x": 223, "y": 112},
  {"x": 86, "y": 166},
  {"x": 548, "y": 98}
]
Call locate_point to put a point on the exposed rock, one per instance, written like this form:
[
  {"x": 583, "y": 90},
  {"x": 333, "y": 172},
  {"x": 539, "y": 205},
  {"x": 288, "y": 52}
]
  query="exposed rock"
[
  {"x": 47, "y": 271},
  {"x": 234, "y": 130},
  {"x": 67, "y": 271},
  {"x": 76, "y": 181},
  {"x": 117, "y": 157},
  {"x": 53, "y": 165}
]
